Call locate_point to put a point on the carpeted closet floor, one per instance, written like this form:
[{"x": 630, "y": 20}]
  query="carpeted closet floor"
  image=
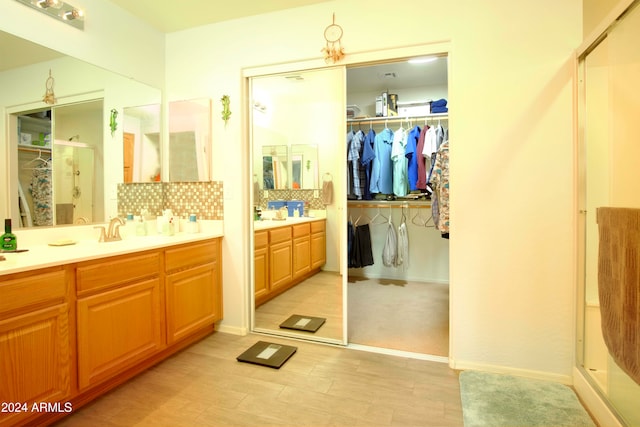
[{"x": 400, "y": 315}]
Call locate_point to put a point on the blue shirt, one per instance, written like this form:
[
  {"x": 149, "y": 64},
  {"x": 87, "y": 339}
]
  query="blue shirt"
[
  {"x": 400, "y": 179},
  {"x": 382, "y": 168},
  {"x": 412, "y": 157},
  {"x": 367, "y": 160}
]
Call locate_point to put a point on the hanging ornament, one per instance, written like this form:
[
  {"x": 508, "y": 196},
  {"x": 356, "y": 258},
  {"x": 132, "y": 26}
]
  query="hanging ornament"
[
  {"x": 226, "y": 112},
  {"x": 113, "y": 124},
  {"x": 333, "y": 50},
  {"x": 49, "y": 96}
]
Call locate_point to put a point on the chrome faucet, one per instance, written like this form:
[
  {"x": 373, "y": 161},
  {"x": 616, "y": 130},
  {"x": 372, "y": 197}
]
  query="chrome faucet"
[{"x": 114, "y": 230}]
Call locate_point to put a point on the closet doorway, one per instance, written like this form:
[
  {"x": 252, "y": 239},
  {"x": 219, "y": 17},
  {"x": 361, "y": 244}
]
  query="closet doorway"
[{"x": 398, "y": 283}]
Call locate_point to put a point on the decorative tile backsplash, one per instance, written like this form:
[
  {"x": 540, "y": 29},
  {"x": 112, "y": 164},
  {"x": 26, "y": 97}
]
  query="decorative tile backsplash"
[
  {"x": 306, "y": 195},
  {"x": 205, "y": 199}
]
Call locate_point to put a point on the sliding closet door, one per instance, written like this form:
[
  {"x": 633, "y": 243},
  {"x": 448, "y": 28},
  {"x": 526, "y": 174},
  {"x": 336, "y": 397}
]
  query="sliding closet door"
[{"x": 610, "y": 151}]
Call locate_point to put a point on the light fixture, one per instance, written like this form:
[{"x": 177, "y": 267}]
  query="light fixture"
[
  {"x": 59, "y": 10},
  {"x": 43, "y": 4},
  {"x": 422, "y": 60},
  {"x": 72, "y": 14}
]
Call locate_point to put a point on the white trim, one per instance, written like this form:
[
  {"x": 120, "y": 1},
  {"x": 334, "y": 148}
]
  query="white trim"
[
  {"x": 593, "y": 401},
  {"x": 526, "y": 373},
  {"x": 232, "y": 330}
]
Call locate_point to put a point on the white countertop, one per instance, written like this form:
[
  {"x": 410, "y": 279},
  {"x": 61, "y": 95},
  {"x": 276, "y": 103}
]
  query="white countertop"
[
  {"x": 266, "y": 224},
  {"x": 40, "y": 254}
]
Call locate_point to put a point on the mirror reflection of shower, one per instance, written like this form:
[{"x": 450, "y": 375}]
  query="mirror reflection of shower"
[{"x": 73, "y": 191}]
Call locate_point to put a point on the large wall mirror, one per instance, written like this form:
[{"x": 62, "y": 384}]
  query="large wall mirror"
[
  {"x": 190, "y": 140},
  {"x": 66, "y": 144},
  {"x": 142, "y": 144},
  {"x": 290, "y": 146}
]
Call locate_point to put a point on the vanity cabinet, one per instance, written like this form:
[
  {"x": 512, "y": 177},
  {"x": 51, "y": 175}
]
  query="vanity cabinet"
[
  {"x": 280, "y": 257},
  {"x": 261, "y": 264},
  {"x": 69, "y": 334},
  {"x": 35, "y": 343},
  {"x": 285, "y": 256},
  {"x": 193, "y": 288},
  {"x": 318, "y": 244},
  {"x": 120, "y": 315},
  {"x": 301, "y": 250}
]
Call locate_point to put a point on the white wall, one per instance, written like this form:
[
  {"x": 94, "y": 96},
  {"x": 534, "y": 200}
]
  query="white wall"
[{"x": 512, "y": 213}]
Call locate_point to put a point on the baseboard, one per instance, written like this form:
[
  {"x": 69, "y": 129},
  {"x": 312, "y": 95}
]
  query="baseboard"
[
  {"x": 527, "y": 373},
  {"x": 593, "y": 401},
  {"x": 232, "y": 330}
]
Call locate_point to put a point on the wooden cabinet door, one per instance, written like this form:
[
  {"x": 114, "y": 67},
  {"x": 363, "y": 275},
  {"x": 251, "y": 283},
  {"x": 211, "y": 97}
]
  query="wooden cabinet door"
[
  {"x": 34, "y": 360},
  {"x": 280, "y": 264},
  {"x": 193, "y": 300},
  {"x": 301, "y": 256},
  {"x": 261, "y": 272},
  {"x": 117, "y": 329},
  {"x": 318, "y": 249}
]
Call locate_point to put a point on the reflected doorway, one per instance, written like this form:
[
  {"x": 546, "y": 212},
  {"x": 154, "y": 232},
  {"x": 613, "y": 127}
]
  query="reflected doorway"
[{"x": 296, "y": 133}]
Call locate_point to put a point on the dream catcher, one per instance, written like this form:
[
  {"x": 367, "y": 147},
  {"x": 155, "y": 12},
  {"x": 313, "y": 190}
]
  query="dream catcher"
[{"x": 333, "y": 50}]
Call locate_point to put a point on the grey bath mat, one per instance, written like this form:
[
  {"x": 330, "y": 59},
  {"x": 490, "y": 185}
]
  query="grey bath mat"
[
  {"x": 490, "y": 400},
  {"x": 267, "y": 354},
  {"x": 303, "y": 323}
]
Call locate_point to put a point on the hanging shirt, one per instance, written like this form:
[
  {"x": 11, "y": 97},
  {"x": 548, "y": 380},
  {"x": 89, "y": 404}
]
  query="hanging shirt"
[
  {"x": 366, "y": 160},
  {"x": 440, "y": 181},
  {"x": 358, "y": 172},
  {"x": 413, "y": 157},
  {"x": 422, "y": 169},
  {"x": 400, "y": 178},
  {"x": 382, "y": 168},
  {"x": 350, "y": 135}
]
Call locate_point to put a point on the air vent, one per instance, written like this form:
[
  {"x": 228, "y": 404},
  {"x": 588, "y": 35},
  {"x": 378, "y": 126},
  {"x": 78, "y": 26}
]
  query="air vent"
[{"x": 387, "y": 76}]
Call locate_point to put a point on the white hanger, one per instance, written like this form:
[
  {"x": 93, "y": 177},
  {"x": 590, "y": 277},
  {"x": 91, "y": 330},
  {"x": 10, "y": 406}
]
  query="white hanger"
[
  {"x": 43, "y": 163},
  {"x": 379, "y": 215}
]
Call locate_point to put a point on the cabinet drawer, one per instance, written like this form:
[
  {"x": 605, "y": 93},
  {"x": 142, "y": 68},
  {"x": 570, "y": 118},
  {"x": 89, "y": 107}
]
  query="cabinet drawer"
[
  {"x": 318, "y": 226},
  {"x": 300, "y": 230},
  {"x": 34, "y": 289},
  {"x": 192, "y": 254},
  {"x": 261, "y": 239},
  {"x": 117, "y": 271},
  {"x": 280, "y": 235}
]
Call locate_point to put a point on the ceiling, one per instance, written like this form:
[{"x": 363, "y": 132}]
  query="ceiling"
[{"x": 169, "y": 15}]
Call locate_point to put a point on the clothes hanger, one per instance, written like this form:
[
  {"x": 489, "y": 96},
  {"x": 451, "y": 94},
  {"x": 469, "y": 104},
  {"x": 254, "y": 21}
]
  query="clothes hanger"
[
  {"x": 379, "y": 215},
  {"x": 363, "y": 214},
  {"x": 44, "y": 165}
]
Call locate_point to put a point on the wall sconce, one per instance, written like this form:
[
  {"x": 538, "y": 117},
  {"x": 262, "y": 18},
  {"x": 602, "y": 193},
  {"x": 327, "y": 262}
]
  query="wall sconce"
[{"x": 59, "y": 10}]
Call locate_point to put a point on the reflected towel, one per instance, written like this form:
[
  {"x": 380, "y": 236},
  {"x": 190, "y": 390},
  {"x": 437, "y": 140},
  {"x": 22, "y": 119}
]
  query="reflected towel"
[
  {"x": 327, "y": 192},
  {"x": 619, "y": 285}
]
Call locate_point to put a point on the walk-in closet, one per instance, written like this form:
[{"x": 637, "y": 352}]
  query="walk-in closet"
[{"x": 397, "y": 199}]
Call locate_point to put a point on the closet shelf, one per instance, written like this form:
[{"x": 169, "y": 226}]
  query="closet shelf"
[
  {"x": 372, "y": 204},
  {"x": 398, "y": 119}
]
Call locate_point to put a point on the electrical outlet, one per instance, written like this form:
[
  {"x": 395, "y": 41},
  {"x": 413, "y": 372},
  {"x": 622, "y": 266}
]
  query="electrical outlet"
[
  {"x": 315, "y": 194},
  {"x": 266, "y": 194}
]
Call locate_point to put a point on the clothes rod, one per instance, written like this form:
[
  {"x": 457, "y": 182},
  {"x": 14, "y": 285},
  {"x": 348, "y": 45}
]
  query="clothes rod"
[
  {"x": 398, "y": 119},
  {"x": 394, "y": 206}
]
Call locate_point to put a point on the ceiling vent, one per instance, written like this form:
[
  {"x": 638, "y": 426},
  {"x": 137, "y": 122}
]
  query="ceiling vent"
[{"x": 387, "y": 76}]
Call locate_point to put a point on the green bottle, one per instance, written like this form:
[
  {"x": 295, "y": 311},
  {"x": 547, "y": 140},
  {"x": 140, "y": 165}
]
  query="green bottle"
[{"x": 9, "y": 241}]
